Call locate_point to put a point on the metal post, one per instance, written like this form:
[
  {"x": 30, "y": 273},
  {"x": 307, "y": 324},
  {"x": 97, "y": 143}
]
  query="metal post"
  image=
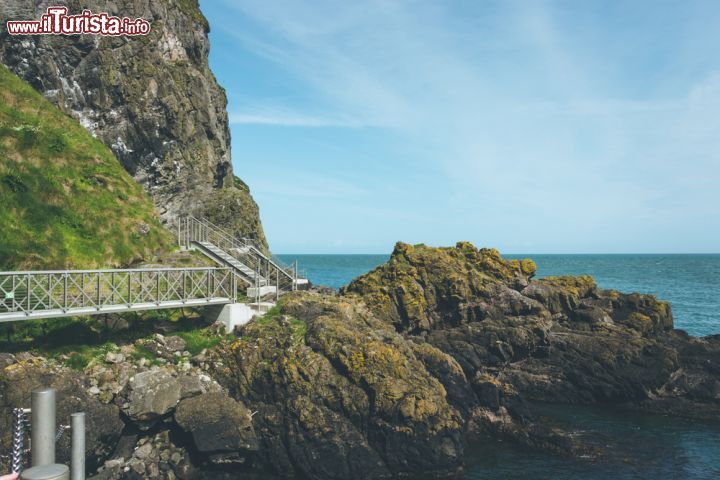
[
  {"x": 77, "y": 456},
  {"x": 158, "y": 287},
  {"x": 207, "y": 286},
  {"x": 65, "y": 292},
  {"x": 277, "y": 284},
  {"x": 43, "y": 427}
]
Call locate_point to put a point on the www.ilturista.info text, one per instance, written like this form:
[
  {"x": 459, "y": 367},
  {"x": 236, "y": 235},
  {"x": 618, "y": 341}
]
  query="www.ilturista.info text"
[{"x": 57, "y": 22}]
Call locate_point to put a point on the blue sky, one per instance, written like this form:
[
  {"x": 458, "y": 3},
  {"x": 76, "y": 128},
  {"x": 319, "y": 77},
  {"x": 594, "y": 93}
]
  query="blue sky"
[{"x": 530, "y": 126}]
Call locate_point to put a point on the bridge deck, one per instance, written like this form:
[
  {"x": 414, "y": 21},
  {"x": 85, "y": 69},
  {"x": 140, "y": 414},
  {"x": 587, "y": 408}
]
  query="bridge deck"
[{"x": 62, "y": 293}]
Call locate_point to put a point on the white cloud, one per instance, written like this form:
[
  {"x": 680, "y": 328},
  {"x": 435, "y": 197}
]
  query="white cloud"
[{"x": 527, "y": 110}]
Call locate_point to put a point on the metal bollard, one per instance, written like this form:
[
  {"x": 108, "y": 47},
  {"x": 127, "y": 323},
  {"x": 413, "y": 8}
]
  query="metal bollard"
[
  {"x": 77, "y": 455},
  {"x": 46, "y": 472},
  {"x": 42, "y": 436}
]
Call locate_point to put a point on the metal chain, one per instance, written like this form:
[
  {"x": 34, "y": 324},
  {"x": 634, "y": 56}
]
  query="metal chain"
[
  {"x": 18, "y": 440},
  {"x": 61, "y": 430},
  {"x": 20, "y": 424}
]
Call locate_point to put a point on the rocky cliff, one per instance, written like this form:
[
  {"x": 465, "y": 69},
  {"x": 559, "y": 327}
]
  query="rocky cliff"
[
  {"x": 391, "y": 378},
  {"x": 152, "y": 100},
  {"x": 559, "y": 339}
]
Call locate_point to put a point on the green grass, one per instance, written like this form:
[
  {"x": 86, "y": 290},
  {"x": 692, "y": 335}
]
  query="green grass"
[
  {"x": 86, "y": 340},
  {"x": 66, "y": 200},
  {"x": 199, "y": 340},
  {"x": 269, "y": 325}
]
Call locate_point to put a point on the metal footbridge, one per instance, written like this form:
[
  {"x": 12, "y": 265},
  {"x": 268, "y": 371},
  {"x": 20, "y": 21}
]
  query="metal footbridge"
[{"x": 243, "y": 271}]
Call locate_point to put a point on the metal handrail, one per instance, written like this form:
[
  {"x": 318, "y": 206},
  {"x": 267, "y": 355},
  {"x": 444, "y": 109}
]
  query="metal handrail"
[
  {"x": 192, "y": 229},
  {"x": 45, "y": 294},
  {"x": 109, "y": 270}
]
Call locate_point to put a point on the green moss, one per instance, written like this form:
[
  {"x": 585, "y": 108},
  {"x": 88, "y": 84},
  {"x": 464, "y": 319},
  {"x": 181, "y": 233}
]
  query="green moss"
[
  {"x": 640, "y": 322},
  {"x": 580, "y": 285},
  {"x": 66, "y": 200},
  {"x": 191, "y": 8},
  {"x": 236, "y": 210}
]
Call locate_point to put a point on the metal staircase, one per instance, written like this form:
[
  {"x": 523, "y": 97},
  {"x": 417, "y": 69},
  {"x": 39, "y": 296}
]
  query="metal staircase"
[
  {"x": 226, "y": 259},
  {"x": 264, "y": 275}
]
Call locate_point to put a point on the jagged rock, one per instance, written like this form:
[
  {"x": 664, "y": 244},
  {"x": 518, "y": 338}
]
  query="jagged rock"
[
  {"x": 102, "y": 423},
  {"x": 152, "y": 100},
  {"x": 559, "y": 339},
  {"x": 340, "y": 395},
  {"x": 219, "y": 425},
  {"x": 149, "y": 395}
]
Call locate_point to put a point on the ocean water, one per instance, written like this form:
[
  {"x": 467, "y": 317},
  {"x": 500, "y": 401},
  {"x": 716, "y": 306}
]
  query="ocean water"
[
  {"x": 633, "y": 445},
  {"x": 690, "y": 282}
]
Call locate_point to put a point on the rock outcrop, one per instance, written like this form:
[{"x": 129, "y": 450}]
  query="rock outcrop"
[
  {"x": 559, "y": 339},
  {"x": 391, "y": 378},
  {"x": 340, "y": 395},
  {"x": 152, "y": 100}
]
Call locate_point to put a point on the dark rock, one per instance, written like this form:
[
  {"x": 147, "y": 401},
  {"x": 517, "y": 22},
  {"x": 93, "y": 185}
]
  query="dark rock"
[
  {"x": 218, "y": 424},
  {"x": 341, "y": 395},
  {"x": 150, "y": 395},
  {"x": 558, "y": 339}
]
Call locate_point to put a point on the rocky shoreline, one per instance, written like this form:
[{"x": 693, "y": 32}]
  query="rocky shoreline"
[{"x": 390, "y": 378}]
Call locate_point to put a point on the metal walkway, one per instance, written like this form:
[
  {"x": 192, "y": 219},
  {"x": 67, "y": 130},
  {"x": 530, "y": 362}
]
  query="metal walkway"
[
  {"x": 243, "y": 255},
  {"x": 48, "y": 294},
  {"x": 62, "y": 293}
]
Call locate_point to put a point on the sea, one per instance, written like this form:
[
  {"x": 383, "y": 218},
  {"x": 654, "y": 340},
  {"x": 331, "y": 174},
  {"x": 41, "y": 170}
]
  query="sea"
[{"x": 634, "y": 445}]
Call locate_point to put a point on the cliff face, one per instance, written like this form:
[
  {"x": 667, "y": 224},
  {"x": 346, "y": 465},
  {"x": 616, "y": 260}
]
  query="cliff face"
[{"x": 152, "y": 100}]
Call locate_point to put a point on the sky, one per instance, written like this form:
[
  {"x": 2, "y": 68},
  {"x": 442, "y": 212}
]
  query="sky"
[{"x": 530, "y": 126}]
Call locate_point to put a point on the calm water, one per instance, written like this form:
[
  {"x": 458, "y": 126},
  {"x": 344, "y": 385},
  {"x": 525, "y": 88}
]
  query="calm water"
[
  {"x": 690, "y": 282},
  {"x": 632, "y": 446},
  {"x": 635, "y": 446}
]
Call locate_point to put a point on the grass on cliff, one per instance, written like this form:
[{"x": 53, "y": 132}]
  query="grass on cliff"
[{"x": 66, "y": 200}]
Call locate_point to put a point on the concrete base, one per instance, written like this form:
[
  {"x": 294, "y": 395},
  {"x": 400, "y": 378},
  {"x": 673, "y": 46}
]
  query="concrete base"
[
  {"x": 252, "y": 292},
  {"x": 47, "y": 472},
  {"x": 235, "y": 314},
  {"x": 262, "y": 307}
]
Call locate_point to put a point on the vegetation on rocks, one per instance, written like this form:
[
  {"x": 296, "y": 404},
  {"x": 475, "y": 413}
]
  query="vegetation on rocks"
[
  {"x": 66, "y": 199},
  {"x": 152, "y": 100},
  {"x": 343, "y": 397}
]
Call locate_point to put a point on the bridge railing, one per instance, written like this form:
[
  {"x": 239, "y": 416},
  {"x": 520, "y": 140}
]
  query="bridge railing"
[
  {"x": 191, "y": 229},
  {"x": 43, "y": 294}
]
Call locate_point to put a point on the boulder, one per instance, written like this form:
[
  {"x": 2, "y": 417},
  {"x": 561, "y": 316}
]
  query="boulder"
[
  {"x": 150, "y": 395},
  {"x": 219, "y": 425}
]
